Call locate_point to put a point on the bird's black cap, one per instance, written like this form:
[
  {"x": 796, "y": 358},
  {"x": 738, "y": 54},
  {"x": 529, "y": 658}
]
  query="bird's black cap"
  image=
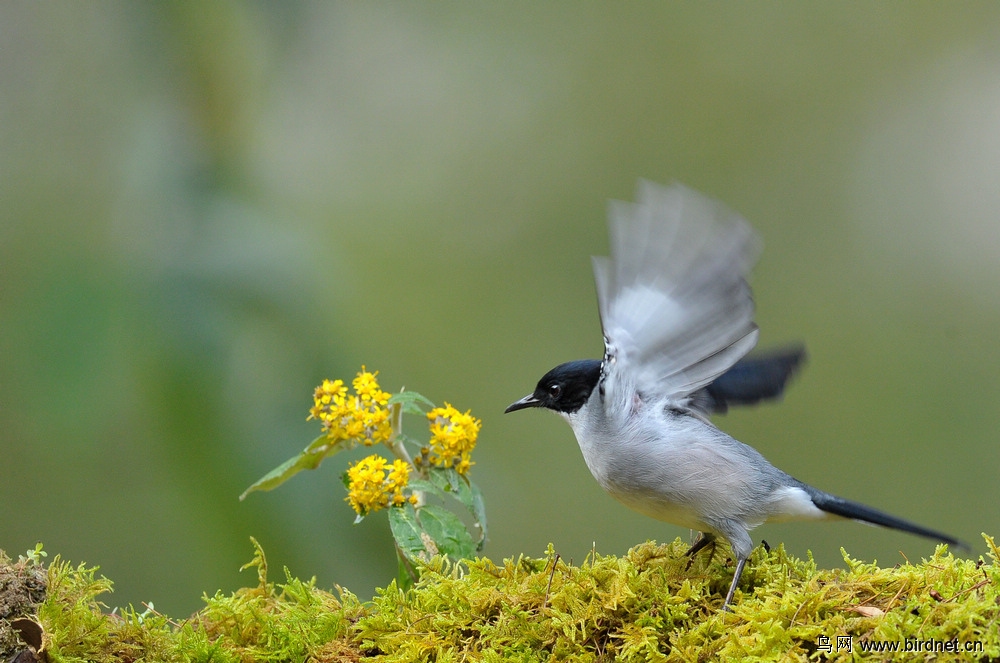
[{"x": 563, "y": 389}]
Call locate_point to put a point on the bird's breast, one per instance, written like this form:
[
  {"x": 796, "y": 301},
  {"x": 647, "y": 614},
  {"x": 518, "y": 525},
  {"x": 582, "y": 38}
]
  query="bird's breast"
[
  {"x": 643, "y": 464},
  {"x": 675, "y": 467}
]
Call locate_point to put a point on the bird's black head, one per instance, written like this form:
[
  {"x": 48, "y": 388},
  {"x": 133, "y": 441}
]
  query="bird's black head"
[{"x": 563, "y": 389}]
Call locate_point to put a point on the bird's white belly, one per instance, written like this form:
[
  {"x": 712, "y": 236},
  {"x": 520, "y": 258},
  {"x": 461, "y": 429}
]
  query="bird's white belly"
[
  {"x": 668, "y": 512},
  {"x": 684, "y": 471},
  {"x": 658, "y": 483}
]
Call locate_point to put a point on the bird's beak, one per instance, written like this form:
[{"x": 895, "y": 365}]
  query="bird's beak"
[{"x": 527, "y": 401}]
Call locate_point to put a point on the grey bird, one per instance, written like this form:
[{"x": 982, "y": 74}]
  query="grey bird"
[{"x": 677, "y": 315}]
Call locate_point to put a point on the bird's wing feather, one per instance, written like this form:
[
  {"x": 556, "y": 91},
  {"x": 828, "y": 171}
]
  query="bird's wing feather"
[
  {"x": 675, "y": 305},
  {"x": 753, "y": 379}
]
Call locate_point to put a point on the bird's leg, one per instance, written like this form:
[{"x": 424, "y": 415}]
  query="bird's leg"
[
  {"x": 705, "y": 539},
  {"x": 740, "y": 563}
]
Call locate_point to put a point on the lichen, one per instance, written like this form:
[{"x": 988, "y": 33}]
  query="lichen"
[{"x": 22, "y": 589}]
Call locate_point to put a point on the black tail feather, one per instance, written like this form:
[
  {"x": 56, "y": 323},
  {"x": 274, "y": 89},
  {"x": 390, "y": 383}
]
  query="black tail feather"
[{"x": 838, "y": 506}]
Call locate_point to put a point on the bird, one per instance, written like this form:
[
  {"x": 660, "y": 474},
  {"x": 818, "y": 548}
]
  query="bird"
[{"x": 677, "y": 313}]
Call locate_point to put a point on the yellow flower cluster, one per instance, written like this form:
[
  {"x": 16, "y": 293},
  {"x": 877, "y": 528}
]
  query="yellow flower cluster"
[
  {"x": 453, "y": 437},
  {"x": 362, "y": 416},
  {"x": 374, "y": 484}
]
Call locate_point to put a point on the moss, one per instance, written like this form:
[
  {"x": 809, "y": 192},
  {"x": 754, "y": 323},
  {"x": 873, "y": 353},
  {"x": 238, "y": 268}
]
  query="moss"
[
  {"x": 293, "y": 621},
  {"x": 77, "y": 628},
  {"x": 644, "y": 606},
  {"x": 647, "y": 606}
]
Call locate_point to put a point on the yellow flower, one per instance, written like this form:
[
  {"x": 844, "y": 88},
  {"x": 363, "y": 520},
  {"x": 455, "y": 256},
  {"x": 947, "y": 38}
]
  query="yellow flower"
[
  {"x": 377, "y": 427},
  {"x": 367, "y": 388},
  {"x": 371, "y": 488},
  {"x": 399, "y": 476},
  {"x": 330, "y": 391},
  {"x": 453, "y": 437},
  {"x": 362, "y": 417}
]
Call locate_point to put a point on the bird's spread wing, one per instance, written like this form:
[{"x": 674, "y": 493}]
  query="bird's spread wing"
[{"x": 675, "y": 305}]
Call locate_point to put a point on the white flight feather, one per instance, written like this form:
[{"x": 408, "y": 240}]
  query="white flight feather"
[{"x": 675, "y": 305}]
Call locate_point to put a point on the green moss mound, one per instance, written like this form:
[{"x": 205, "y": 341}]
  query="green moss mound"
[{"x": 648, "y": 605}]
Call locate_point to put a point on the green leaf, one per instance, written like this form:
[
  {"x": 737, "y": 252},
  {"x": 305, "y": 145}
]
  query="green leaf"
[
  {"x": 406, "y": 575},
  {"x": 403, "y": 438},
  {"x": 465, "y": 491},
  {"x": 444, "y": 478},
  {"x": 478, "y": 510},
  {"x": 409, "y": 400},
  {"x": 320, "y": 443},
  {"x": 457, "y": 482},
  {"x": 406, "y": 530},
  {"x": 447, "y": 531},
  {"x": 426, "y": 487},
  {"x": 309, "y": 459}
]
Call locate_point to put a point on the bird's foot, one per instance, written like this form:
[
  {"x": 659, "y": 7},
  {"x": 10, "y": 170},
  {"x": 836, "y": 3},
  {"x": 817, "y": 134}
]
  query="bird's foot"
[{"x": 704, "y": 540}]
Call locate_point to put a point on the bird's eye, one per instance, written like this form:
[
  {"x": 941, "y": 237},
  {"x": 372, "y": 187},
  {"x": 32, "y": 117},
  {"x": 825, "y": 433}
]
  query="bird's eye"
[{"x": 555, "y": 390}]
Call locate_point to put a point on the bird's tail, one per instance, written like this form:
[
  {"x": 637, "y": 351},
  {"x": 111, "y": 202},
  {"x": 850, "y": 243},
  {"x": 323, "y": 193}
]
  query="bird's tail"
[{"x": 838, "y": 506}]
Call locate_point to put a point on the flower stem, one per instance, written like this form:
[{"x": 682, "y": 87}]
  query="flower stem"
[{"x": 398, "y": 448}]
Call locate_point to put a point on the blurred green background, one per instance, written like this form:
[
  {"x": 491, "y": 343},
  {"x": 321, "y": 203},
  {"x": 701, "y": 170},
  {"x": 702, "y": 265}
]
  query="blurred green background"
[{"x": 208, "y": 208}]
